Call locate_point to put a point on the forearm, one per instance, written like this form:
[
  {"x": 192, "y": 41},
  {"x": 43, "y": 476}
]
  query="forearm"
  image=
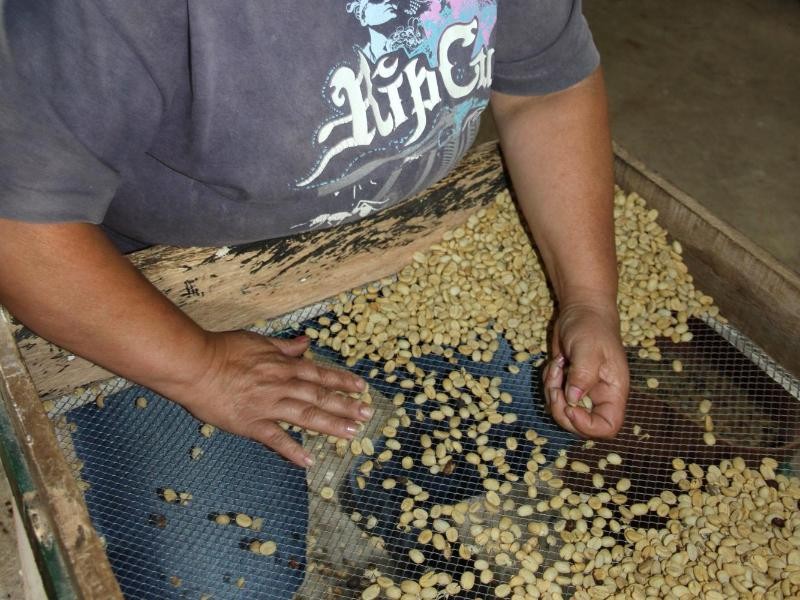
[
  {"x": 68, "y": 283},
  {"x": 558, "y": 152}
]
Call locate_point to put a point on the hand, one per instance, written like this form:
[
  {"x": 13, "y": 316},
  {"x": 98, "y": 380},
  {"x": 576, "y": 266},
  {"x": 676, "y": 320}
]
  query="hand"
[
  {"x": 588, "y": 353},
  {"x": 254, "y": 381}
]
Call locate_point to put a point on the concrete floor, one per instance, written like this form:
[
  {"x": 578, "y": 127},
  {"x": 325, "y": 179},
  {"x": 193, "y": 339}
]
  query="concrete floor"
[{"x": 707, "y": 94}]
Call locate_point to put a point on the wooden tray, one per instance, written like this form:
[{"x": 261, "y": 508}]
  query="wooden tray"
[{"x": 266, "y": 279}]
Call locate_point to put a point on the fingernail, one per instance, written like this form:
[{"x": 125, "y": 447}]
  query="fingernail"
[
  {"x": 570, "y": 412},
  {"x": 560, "y": 360},
  {"x": 361, "y": 384},
  {"x": 308, "y": 460},
  {"x": 352, "y": 430},
  {"x": 366, "y": 411},
  {"x": 574, "y": 395}
]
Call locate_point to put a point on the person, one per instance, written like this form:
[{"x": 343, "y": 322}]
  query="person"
[{"x": 205, "y": 123}]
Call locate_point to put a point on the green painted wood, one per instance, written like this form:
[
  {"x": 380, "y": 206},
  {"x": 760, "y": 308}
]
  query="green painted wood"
[{"x": 49, "y": 560}]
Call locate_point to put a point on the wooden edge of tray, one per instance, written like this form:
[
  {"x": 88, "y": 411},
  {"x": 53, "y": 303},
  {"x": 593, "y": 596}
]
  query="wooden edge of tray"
[
  {"x": 754, "y": 291},
  {"x": 234, "y": 287},
  {"x": 68, "y": 551}
]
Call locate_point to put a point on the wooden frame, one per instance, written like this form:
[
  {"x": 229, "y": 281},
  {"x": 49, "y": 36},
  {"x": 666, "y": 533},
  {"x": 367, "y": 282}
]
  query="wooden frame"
[{"x": 228, "y": 290}]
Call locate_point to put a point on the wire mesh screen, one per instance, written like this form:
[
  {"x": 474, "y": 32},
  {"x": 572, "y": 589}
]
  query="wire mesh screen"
[
  {"x": 461, "y": 485},
  {"x": 189, "y": 512}
]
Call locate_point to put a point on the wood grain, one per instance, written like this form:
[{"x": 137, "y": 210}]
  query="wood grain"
[{"x": 270, "y": 278}]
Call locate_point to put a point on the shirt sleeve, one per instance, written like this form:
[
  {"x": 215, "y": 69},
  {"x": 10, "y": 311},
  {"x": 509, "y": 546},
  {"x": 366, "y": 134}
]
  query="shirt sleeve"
[
  {"x": 542, "y": 46},
  {"x": 74, "y": 99}
]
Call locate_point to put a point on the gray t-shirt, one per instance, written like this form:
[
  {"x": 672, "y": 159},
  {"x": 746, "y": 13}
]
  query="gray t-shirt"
[{"x": 212, "y": 123}]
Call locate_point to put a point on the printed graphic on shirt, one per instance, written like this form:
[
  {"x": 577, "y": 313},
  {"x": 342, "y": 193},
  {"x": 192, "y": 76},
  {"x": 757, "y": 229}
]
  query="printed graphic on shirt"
[{"x": 405, "y": 106}]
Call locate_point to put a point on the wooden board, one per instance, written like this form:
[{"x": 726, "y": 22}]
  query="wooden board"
[
  {"x": 32, "y": 585},
  {"x": 754, "y": 291},
  {"x": 53, "y": 511},
  {"x": 270, "y": 278}
]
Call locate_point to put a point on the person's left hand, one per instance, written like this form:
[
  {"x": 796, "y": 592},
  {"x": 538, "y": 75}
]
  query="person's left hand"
[{"x": 587, "y": 359}]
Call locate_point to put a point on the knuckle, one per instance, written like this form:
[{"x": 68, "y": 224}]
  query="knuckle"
[
  {"x": 306, "y": 370},
  {"x": 323, "y": 397},
  {"x": 344, "y": 378},
  {"x": 330, "y": 377},
  {"x": 272, "y": 437},
  {"x": 310, "y": 414},
  {"x": 270, "y": 370},
  {"x": 337, "y": 402}
]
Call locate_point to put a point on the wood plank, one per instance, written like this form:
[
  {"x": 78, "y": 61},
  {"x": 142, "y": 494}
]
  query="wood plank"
[
  {"x": 759, "y": 295},
  {"x": 270, "y": 278},
  {"x": 32, "y": 585},
  {"x": 55, "y": 509}
]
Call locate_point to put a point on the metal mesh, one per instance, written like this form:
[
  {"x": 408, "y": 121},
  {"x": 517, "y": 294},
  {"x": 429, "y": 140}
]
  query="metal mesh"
[{"x": 127, "y": 454}]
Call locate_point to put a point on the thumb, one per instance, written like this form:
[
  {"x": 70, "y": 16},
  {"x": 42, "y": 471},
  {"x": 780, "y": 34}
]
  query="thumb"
[
  {"x": 292, "y": 347},
  {"x": 585, "y": 361}
]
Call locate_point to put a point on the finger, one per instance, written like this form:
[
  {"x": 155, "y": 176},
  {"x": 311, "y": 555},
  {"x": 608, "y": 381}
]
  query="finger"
[
  {"x": 604, "y": 421},
  {"x": 334, "y": 379},
  {"x": 292, "y": 347},
  {"x": 272, "y": 436},
  {"x": 331, "y": 402},
  {"x": 558, "y": 406},
  {"x": 555, "y": 339},
  {"x": 552, "y": 377},
  {"x": 545, "y": 389},
  {"x": 584, "y": 371},
  {"x": 554, "y": 372},
  {"x": 310, "y": 416}
]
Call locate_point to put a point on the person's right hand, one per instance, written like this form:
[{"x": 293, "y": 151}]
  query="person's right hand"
[{"x": 253, "y": 382}]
